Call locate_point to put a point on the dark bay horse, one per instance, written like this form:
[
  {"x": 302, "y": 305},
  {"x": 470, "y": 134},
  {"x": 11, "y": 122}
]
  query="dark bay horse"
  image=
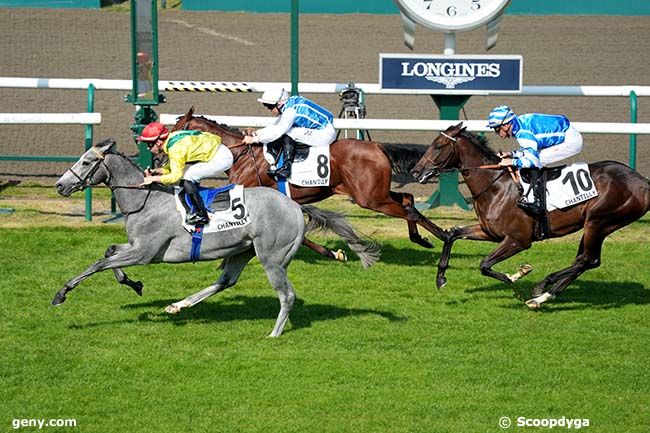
[
  {"x": 623, "y": 197},
  {"x": 155, "y": 234},
  {"x": 359, "y": 169}
]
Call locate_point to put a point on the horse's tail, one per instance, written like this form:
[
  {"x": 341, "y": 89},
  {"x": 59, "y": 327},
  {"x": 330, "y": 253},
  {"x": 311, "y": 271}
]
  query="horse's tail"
[
  {"x": 368, "y": 250},
  {"x": 403, "y": 157}
]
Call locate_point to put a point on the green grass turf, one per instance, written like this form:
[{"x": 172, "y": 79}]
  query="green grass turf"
[{"x": 378, "y": 350}]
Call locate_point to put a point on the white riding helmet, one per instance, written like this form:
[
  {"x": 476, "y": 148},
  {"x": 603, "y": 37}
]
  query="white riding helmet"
[{"x": 273, "y": 96}]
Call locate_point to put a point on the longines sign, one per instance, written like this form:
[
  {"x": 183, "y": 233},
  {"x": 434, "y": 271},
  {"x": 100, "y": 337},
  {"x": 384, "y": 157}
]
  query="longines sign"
[{"x": 413, "y": 73}]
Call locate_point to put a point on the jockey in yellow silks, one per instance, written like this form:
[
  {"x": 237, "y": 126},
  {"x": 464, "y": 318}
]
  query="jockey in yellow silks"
[{"x": 203, "y": 149}]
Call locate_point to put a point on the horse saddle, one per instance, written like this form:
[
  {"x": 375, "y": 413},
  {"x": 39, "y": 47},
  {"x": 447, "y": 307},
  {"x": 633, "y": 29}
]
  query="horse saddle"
[
  {"x": 548, "y": 173},
  {"x": 275, "y": 150},
  {"x": 215, "y": 199}
]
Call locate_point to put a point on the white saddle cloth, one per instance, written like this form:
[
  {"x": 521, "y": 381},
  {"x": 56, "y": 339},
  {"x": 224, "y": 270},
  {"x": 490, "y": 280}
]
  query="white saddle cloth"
[
  {"x": 573, "y": 186},
  {"x": 220, "y": 221}
]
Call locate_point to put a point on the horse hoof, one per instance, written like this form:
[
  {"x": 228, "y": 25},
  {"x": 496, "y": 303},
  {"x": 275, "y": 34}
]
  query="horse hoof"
[
  {"x": 58, "y": 300},
  {"x": 440, "y": 282},
  {"x": 172, "y": 309},
  {"x": 341, "y": 256},
  {"x": 423, "y": 242},
  {"x": 539, "y": 300},
  {"x": 525, "y": 269},
  {"x": 533, "y": 304},
  {"x": 137, "y": 287}
]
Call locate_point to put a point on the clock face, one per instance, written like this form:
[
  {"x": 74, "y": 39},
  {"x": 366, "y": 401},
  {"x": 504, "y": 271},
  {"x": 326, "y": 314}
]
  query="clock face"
[{"x": 452, "y": 15}]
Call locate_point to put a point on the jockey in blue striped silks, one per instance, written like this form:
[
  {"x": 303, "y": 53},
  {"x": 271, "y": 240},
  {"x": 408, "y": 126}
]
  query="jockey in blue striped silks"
[
  {"x": 299, "y": 120},
  {"x": 543, "y": 139}
]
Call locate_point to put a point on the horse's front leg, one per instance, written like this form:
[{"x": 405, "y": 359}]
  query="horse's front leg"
[
  {"x": 474, "y": 232},
  {"x": 120, "y": 276},
  {"x": 506, "y": 249},
  {"x": 126, "y": 257}
]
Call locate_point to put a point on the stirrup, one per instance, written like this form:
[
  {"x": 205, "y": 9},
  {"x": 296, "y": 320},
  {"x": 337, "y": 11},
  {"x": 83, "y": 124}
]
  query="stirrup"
[
  {"x": 283, "y": 171},
  {"x": 197, "y": 219},
  {"x": 531, "y": 207}
]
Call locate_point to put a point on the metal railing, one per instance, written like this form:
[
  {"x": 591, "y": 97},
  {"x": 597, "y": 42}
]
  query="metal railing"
[{"x": 87, "y": 119}]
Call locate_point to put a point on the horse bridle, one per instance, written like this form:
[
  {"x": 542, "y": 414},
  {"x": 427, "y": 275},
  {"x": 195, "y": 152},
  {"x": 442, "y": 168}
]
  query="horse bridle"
[
  {"x": 429, "y": 160},
  {"x": 86, "y": 181},
  {"x": 510, "y": 170}
]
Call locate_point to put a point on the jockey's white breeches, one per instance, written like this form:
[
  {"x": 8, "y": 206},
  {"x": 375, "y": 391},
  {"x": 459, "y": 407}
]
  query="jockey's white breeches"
[
  {"x": 571, "y": 145},
  {"x": 220, "y": 162},
  {"x": 313, "y": 137}
]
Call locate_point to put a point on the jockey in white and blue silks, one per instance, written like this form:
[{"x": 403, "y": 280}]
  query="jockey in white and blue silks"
[
  {"x": 300, "y": 120},
  {"x": 543, "y": 139}
]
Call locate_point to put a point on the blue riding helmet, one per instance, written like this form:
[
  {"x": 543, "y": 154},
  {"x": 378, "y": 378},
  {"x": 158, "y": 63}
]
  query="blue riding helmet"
[{"x": 500, "y": 115}]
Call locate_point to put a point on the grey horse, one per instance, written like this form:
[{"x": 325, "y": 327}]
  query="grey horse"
[{"x": 155, "y": 234}]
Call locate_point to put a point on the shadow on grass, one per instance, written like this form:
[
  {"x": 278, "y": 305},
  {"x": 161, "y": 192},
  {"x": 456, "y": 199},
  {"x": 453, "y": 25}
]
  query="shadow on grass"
[
  {"x": 580, "y": 295},
  {"x": 239, "y": 308}
]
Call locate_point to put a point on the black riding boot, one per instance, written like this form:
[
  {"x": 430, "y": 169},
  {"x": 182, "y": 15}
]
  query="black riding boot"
[
  {"x": 288, "y": 152},
  {"x": 537, "y": 207},
  {"x": 200, "y": 214}
]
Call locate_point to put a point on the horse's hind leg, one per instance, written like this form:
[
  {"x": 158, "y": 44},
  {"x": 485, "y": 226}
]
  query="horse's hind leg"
[
  {"x": 325, "y": 252},
  {"x": 415, "y": 217},
  {"x": 408, "y": 203},
  {"x": 275, "y": 254},
  {"x": 232, "y": 269},
  {"x": 277, "y": 276},
  {"x": 588, "y": 257},
  {"x": 400, "y": 205},
  {"x": 120, "y": 276}
]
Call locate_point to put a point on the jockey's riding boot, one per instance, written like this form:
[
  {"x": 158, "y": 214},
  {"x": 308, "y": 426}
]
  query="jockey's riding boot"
[
  {"x": 288, "y": 152},
  {"x": 200, "y": 214},
  {"x": 537, "y": 206}
]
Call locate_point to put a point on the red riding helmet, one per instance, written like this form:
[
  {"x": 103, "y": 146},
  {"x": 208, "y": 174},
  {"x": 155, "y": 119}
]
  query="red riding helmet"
[{"x": 153, "y": 131}]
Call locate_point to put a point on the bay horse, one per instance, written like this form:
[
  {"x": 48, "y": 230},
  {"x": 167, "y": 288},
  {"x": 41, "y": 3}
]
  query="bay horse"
[
  {"x": 623, "y": 197},
  {"x": 155, "y": 233},
  {"x": 359, "y": 169}
]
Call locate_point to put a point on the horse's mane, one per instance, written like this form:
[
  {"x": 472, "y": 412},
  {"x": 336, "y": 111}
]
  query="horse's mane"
[
  {"x": 130, "y": 159},
  {"x": 169, "y": 189},
  {"x": 403, "y": 157},
  {"x": 217, "y": 124},
  {"x": 481, "y": 142}
]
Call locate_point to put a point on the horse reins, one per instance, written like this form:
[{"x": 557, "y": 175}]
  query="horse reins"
[
  {"x": 476, "y": 196},
  {"x": 510, "y": 170},
  {"x": 86, "y": 180},
  {"x": 240, "y": 154}
]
